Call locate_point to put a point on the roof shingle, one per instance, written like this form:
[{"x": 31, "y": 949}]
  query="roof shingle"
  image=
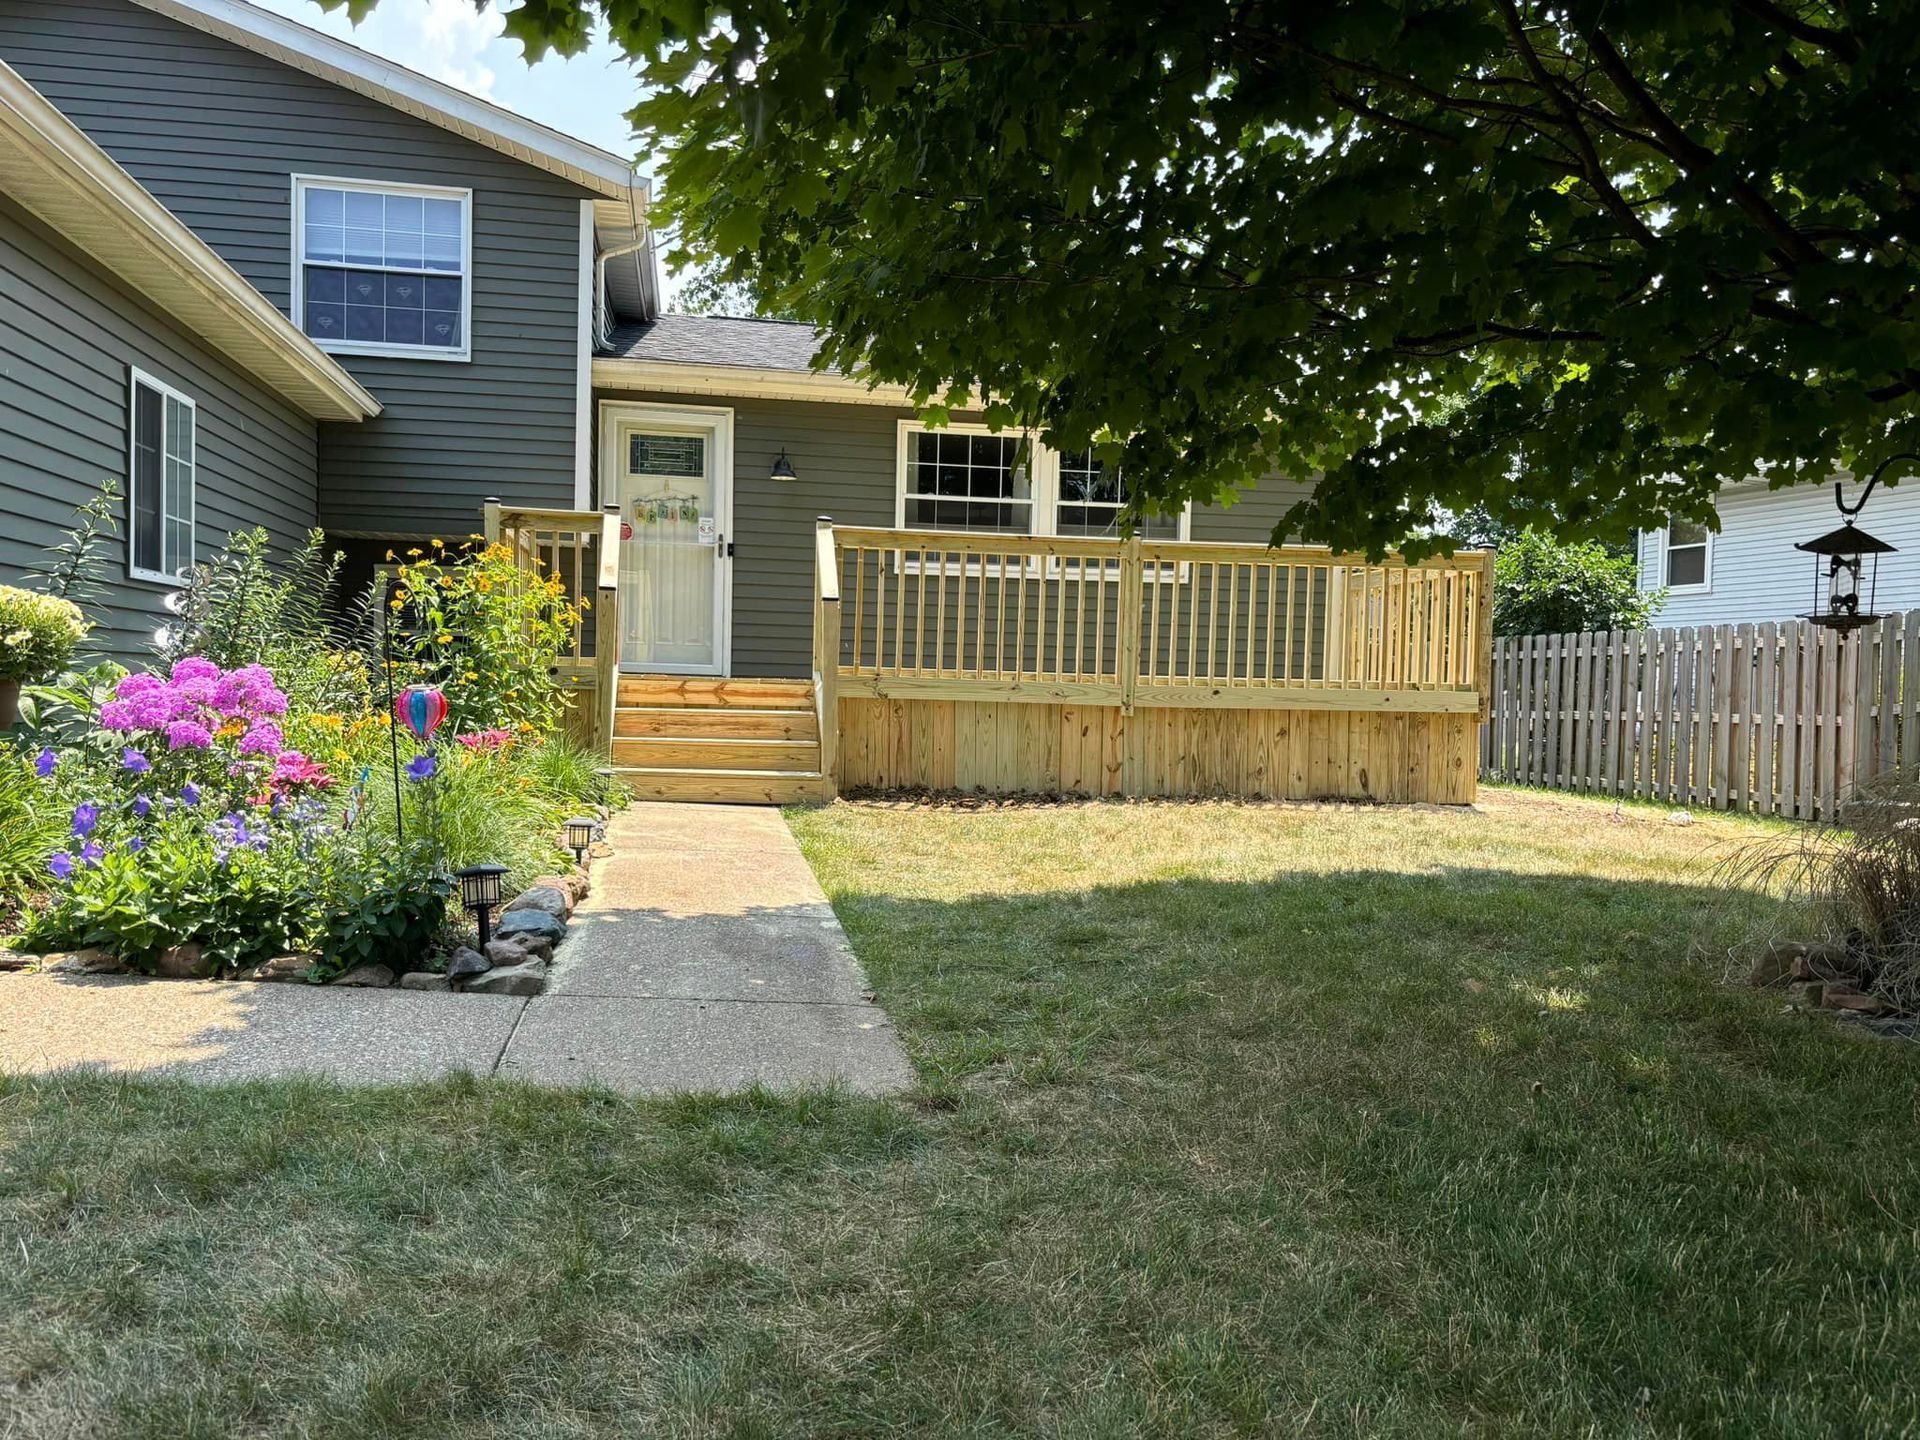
[{"x": 717, "y": 340}]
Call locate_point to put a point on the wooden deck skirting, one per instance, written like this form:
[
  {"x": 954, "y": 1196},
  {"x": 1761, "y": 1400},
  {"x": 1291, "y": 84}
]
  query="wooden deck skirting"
[{"x": 1133, "y": 667}]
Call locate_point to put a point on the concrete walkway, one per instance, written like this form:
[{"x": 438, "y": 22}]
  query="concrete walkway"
[{"x": 707, "y": 958}]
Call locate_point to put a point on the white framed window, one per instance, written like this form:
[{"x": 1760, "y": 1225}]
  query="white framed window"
[
  {"x": 1686, "y": 556},
  {"x": 383, "y": 269},
  {"x": 161, "y": 439},
  {"x": 968, "y": 479}
]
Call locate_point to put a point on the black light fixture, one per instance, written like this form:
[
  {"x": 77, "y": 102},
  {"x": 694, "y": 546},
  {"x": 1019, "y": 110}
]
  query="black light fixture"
[
  {"x": 1840, "y": 557},
  {"x": 579, "y": 837},
  {"x": 480, "y": 887},
  {"x": 783, "y": 467}
]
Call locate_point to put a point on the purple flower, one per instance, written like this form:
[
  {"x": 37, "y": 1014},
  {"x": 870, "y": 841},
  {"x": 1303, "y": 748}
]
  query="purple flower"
[
  {"x": 44, "y": 763},
  {"x": 195, "y": 667},
  {"x": 135, "y": 762},
  {"x": 422, "y": 768},
  {"x": 141, "y": 806},
  {"x": 118, "y": 715},
  {"x": 61, "y": 865},
  {"x": 189, "y": 794},
  {"x": 136, "y": 844},
  {"x": 91, "y": 852},
  {"x": 85, "y": 817},
  {"x": 263, "y": 738},
  {"x": 188, "y": 735}
]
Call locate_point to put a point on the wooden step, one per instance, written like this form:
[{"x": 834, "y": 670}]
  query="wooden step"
[
  {"x": 688, "y": 722},
  {"x": 674, "y": 752},
  {"x": 722, "y": 787},
  {"x": 694, "y": 690}
]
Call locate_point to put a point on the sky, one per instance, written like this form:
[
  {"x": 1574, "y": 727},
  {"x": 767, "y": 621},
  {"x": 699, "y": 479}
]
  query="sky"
[{"x": 452, "y": 41}]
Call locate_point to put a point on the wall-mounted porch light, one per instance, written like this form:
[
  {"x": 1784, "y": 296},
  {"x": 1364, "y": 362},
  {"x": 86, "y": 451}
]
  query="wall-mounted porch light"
[
  {"x": 783, "y": 467},
  {"x": 1839, "y": 559}
]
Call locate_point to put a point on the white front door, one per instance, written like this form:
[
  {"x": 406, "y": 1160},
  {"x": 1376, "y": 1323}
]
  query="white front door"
[{"x": 671, "y": 468}]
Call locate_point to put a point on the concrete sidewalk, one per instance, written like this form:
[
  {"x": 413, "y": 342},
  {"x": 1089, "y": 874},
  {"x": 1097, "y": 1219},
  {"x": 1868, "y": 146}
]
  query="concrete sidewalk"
[{"x": 707, "y": 958}]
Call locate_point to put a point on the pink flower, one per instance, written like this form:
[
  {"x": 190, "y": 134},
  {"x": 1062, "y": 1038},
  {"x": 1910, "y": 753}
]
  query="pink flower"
[
  {"x": 263, "y": 738},
  {"x": 486, "y": 739},
  {"x": 250, "y": 691},
  {"x": 295, "y": 769},
  {"x": 195, "y": 667},
  {"x": 188, "y": 735},
  {"x": 117, "y": 715}
]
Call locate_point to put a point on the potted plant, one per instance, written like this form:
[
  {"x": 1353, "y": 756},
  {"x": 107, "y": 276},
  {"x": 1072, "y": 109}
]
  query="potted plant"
[{"x": 38, "y": 635}]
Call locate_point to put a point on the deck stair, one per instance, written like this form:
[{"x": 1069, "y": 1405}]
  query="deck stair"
[{"x": 742, "y": 742}]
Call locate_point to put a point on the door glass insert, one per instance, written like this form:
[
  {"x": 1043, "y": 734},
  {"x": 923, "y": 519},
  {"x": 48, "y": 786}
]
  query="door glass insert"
[{"x": 669, "y": 574}]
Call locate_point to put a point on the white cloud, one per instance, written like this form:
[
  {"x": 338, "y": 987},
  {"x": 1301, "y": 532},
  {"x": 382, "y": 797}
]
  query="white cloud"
[{"x": 446, "y": 39}]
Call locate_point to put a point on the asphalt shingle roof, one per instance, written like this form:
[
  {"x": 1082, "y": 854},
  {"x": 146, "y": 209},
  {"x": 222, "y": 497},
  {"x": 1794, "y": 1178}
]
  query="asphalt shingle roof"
[{"x": 716, "y": 340}]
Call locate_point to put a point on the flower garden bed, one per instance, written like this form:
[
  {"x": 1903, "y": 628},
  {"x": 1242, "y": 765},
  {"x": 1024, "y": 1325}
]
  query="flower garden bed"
[{"x": 249, "y": 807}]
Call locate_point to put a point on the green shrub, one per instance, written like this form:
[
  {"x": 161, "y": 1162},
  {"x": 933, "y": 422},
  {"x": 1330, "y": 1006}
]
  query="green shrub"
[
  {"x": 387, "y": 907},
  {"x": 38, "y": 634}
]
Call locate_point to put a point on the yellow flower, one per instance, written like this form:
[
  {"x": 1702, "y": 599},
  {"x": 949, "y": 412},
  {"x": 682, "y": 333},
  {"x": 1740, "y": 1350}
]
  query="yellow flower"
[
  {"x": 391, "y": 556},
  {"x": 439, "y": 544},
  {"x": 586, "y": 604},
  {"x": 415, "y": 554}
]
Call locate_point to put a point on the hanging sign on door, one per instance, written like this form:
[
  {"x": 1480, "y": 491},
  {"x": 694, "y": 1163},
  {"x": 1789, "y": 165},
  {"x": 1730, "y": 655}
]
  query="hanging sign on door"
[{"x": 708, "y": 530}]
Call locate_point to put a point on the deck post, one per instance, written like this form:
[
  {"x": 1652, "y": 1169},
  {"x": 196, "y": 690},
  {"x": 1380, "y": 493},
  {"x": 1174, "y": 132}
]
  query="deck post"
[
  {"x": 1126, "y": 640},
  {"x": 606, "y": 630},
  {"x": 490, "y": 519},
  {"x": 1483, "y": 640},
  {"x": 826, "y": 648}
]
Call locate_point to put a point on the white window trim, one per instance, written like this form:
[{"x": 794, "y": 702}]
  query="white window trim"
[
  {"x": 136, "y": 378},
  {"x": 298, "y": 244},
  {"x": 1660, "y": 574},
  {"x": 1043, "y": 482}
]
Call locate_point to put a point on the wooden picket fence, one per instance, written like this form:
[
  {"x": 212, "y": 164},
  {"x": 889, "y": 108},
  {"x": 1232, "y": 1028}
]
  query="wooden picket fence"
[{"x": 1780, "y": 717}]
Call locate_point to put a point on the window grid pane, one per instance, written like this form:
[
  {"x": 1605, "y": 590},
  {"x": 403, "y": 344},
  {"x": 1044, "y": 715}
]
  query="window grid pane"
[
  {"x": 1091, "y": 501},
  {"x": 964, "y": 481},
  {"x": 161, "y": 485},
  {"x": 383, "y": 268}
]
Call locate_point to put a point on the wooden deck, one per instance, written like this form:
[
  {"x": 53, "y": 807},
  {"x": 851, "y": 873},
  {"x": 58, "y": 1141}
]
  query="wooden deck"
[{"x": 1006, "y": 665}]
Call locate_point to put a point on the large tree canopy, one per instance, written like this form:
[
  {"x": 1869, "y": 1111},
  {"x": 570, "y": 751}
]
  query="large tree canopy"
[{"x": 1574, "y": 263}]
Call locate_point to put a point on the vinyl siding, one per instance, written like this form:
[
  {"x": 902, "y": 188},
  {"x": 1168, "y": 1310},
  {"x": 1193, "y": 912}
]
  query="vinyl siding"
[
  {"x": 844, "y": 456},
  {"x": 1756, "y": 574},
  {"x": 68, "y": 336},
  {"x": 217, "y": 132}
]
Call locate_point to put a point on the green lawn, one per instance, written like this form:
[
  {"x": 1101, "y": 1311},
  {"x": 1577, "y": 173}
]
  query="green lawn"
[{"x": 1234, "y": 1119}]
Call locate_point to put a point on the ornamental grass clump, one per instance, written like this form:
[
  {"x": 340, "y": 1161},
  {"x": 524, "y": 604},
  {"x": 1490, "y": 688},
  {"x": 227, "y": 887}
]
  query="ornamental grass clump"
[{"x": 1845, "y": 898}]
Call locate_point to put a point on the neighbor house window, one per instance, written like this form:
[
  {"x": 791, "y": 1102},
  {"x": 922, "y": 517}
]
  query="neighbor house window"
[
  {"x": 160, "y": 459},
  {"x": 1688, "y": 551},
  {"x": 965, "y": 478},
  {"x": 383, "y": 269},
  {"x": 1092, "y": 497}
]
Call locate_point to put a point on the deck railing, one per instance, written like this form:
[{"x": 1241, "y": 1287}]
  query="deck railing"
[
  {"x": 582, "y": 547},
  {"x": 912, "y": 614}
]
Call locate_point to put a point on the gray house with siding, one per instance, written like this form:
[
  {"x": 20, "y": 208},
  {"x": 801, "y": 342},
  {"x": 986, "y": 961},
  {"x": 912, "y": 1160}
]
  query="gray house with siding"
[{"x": 436, "y": 302}]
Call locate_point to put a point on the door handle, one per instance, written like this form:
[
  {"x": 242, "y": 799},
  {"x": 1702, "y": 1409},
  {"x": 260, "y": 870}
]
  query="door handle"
[{"x": 724, "y": 547}]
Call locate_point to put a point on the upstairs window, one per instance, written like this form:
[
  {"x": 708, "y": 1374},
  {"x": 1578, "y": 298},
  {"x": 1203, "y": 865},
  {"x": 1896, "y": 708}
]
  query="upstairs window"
[
  {"x": 160, "y": 475},
  {"x": 383, "y": 269},
  {"x": 1689, "y": 548}
]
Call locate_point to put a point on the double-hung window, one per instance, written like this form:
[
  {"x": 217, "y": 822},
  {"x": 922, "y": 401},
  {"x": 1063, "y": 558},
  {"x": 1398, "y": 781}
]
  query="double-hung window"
[
  {"x": 1091, "y": 498},
  {"x": 383, "y": 269},
  {"x": 160, "y": 472},
  {"x": 969, "y": 479},
  {"x": 1688, "y": 550}
]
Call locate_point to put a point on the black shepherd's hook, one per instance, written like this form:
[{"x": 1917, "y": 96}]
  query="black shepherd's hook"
[{"x": 1839, "y": 486}]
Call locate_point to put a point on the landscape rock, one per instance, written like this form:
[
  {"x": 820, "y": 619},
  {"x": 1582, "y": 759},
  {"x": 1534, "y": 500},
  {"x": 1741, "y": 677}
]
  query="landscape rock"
[
  {"x": 510, "y": 952},
  {"x": 467, "y": 961},
  {"x": 575, "y": 884},
  {"x": 1805, "y": 993},
  {"x": 17, "y": 960},
  {"x": 1845, "y": 997},
  {"x": 1776, "y": 963},
  {"x": 281, "y": 969},
  {"x": 424, "y": 980},
  {"x": 371, "y": 977},
  {"x": 183, "y": 962},
  {"x": 1828, "y": 960},
  {"x": 527, "y": 979},
  {"x": 530, "y": 922},
  {"x": 84, "y": 962},
  {"x": 1680, "y": 817},
  {"x": 549, "y": 898}
]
